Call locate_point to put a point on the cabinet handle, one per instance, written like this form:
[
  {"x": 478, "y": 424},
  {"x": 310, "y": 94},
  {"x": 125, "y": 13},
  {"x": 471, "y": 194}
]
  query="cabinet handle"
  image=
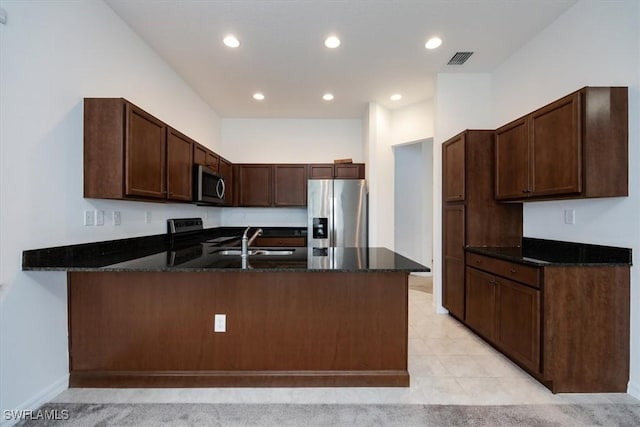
[
  {"x": 525, "y": 191},
  {"x": 513, "y": 271}
]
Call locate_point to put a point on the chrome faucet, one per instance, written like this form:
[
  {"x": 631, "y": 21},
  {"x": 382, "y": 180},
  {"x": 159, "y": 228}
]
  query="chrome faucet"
[{"x": 247, "y": 241}]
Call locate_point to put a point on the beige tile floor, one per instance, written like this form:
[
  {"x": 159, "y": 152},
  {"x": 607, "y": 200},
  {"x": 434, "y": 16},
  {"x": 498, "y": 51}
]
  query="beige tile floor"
[{"x": 448, "y": 364}]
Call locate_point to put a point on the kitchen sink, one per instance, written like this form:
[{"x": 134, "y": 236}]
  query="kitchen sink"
[{"x": 268, "y": 252}]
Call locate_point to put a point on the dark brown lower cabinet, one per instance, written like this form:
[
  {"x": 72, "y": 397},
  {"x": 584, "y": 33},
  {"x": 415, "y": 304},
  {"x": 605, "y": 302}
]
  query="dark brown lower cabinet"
[
  {"x": 453, "y": 246},
  {"x": 283, "y": 329},
  {"x": 518, "y": 322},
  {"x": 568, "y": 326},
  {"x": 481, "y": 303}
]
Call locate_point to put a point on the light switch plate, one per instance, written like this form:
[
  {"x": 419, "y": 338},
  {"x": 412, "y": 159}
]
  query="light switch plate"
[
  {"x": 569, "y": 216},
  {"x": 89, "y": 218},
  {"x": 116, "y": 218},
  {"x": 99, "y": 217}
]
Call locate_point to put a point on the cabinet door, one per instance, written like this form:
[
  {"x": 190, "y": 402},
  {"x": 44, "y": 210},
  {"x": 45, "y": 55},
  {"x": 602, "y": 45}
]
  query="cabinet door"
[
  {"x": 555, "y": 144},
  {"x": 518, "y": 322},
  {"x": 205, "y": 157},
  {"x": 290, "y": 187},
  {"x": 254, "y": 185},
  {"x": 512, "y": 161},
  {"x": 321, "y": 171},
  {"x": 453, "y": 168},
  {"x": 348, "y": 171},
  {"x": 145, "y": 150},
  {"x": 226, "y": 171},
  {"x": 453, "y": 251},
  {"x": 179, "y": 166},
  {"x": 480, "y": 312}
]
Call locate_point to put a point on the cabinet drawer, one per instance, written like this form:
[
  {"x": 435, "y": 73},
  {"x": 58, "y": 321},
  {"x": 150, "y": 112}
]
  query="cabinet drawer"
[
  {"x": 280, "y": 241},
  {"x": 518, "y": 272}
]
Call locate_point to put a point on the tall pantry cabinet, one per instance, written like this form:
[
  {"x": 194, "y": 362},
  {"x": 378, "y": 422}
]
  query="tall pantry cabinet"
[{"x": 470, "y": 214}]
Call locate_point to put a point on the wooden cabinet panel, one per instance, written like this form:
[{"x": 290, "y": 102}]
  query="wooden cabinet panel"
[
  {"x": 480, "y": 310},
  {"x": 179, "y": 166},
  {"x": 576, "y": 147},
  {"x": 337, "y": 171},
  {"x": 205, "y": 157},
  {"x": 255, "y": 185},
  {"x": 145, "y": 147},
  {"x": 453, "y": 155},
  {"x": 512, "y": 159},
  {"x": 521, "y": 273},
  {"x": 131, "y": 155},
  {"x": 226, "y": 171},
  {"x": 348, "y": 171},
  {"x": 518, "y": 322},
  {"x": 290, "y": 185},
  {"x": 453, "y": 251},
  {"x": 321, "y": 171},
  {"x": 555, "y": 144}
]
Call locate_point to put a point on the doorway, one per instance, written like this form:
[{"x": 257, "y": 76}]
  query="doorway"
[{"x": 413, "y": 204}]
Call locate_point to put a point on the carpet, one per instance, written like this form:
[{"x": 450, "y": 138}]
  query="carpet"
[{"x": 178, "y": 414}]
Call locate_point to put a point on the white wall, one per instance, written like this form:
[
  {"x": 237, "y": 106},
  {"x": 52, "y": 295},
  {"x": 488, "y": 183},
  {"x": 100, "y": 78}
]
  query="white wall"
[
  {"x": 412, "y": 123},
  {"x": 380, "y": 177},
  {"x": 463, "y": 101},
  {"x": 593, "y": 43},
  {"x": 52, "y": 55},
  {"x": 286, "y": 141}
]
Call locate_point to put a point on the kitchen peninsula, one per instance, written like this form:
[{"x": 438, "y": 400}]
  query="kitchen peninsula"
[{"x": 141, "y": 313}]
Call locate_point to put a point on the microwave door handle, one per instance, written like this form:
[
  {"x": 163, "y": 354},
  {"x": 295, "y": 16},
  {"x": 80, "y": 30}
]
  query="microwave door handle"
[{"x": 220, "y": 192}]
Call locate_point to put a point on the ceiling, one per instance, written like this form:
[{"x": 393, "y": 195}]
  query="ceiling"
[{"x": 282, "y": 52}]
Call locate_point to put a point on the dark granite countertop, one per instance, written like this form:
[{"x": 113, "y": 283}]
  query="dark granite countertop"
[
  {"x": 204, "y": 251},
  {"x": 550, "y": 253}
]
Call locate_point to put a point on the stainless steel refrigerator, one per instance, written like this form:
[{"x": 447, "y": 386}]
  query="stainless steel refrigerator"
[{"x": 337, "y": 213}]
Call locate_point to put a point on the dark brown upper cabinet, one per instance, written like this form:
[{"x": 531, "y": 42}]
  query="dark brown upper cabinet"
[
  {"x": 575, "y": 147},
  {"x": 205, "y": 157},
  {"x": 226, "y": 171},
  {"x": 290, "y": 185},
  {"x": 269, "y": 185},
  {"x": 179, "y": 166},
  {"x": 124, "y": 151},
  {"x": 321, "y": 171},
  {"x": 348, "y": 171},
  {"x": 337, "y": 171},
  {"x": 453, "y": 162},
  {"x": 255, "y": 184}
]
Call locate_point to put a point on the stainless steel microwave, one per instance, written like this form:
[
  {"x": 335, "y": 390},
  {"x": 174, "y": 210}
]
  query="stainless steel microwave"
[{"x": 208, "y": 186}]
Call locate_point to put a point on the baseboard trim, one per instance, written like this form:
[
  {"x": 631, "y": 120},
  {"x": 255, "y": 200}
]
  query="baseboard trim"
[
  {"x": 634, "y": 389},
  {"x": 37, "y": 400},
  {"x": 182, "y": 379}
]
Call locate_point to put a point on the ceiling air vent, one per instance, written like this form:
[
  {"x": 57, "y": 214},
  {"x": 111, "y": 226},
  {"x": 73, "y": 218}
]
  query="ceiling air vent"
[{"x": 459, "y": 58}]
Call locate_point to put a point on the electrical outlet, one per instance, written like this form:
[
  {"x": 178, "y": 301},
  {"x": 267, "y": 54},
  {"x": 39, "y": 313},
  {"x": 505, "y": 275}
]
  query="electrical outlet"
[
  {"x": 88, "y": 218},
  {"x": 116, "y": 218},
  {"x": 220, "y": 323},
  {"x": 147, "y": 217},
  {"x": 99, "y": 217}
]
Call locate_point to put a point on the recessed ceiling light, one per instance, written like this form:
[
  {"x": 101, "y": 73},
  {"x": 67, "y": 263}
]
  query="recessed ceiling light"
[
  {"x": 395, "y": 97},
  {"x": 258, "y": 96},
  {"x": 327, "y": 97},
  {"x": 433, "y": 43},
  {"x": 332, "y": 42},
  {"x": 231, "y": 41}
]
